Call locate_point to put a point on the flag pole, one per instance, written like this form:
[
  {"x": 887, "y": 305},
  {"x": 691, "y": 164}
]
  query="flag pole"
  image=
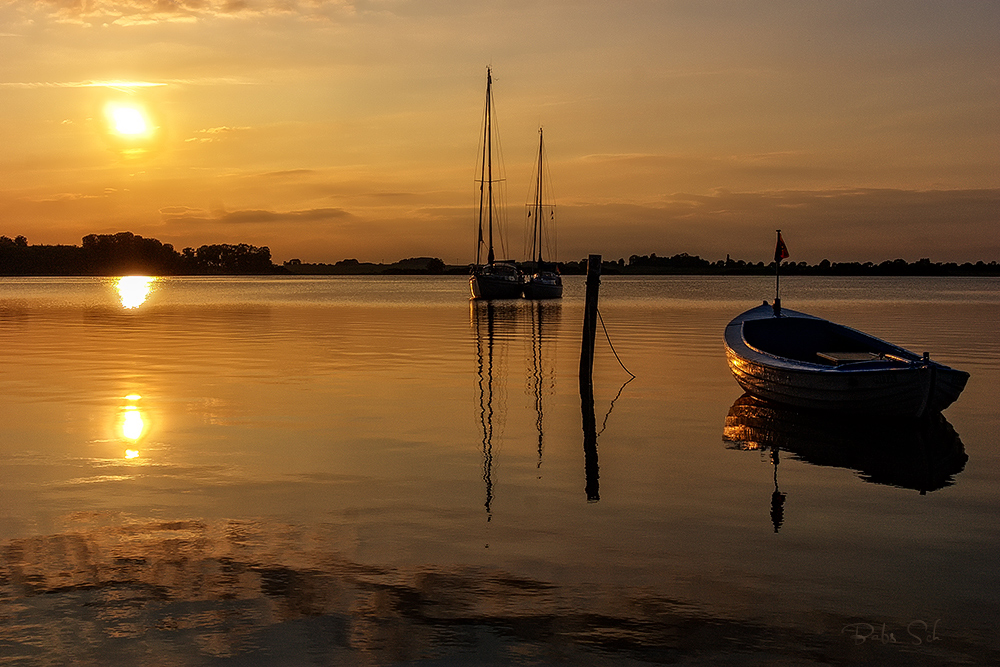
[{"x": 777, "y": 263}]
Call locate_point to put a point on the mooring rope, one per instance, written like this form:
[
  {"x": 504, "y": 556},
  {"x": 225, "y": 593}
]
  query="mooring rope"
[{"x": 608, "y": 336}]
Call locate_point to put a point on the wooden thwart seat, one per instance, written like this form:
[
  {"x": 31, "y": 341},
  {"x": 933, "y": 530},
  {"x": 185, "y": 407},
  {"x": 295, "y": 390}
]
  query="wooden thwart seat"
[{"x": 838, "y": 358}]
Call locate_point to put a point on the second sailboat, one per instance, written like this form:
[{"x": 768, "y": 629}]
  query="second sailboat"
[{"x": 545, "y": 283}]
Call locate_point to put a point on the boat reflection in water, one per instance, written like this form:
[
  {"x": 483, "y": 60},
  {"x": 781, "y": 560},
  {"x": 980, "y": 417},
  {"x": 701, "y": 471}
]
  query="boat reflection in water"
[
  {"x": 923, "y": 455},
  {"x": 496, "y": 324},
  {"x": 545, "y": 317}
]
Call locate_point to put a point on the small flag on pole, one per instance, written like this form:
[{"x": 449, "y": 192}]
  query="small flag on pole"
[{"x": 780, "y": 251}]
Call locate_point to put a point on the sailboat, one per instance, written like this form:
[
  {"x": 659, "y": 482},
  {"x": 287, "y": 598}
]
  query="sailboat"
[
  {"x": 545, "y": 283},
  {"x": 492, "y": 279}
]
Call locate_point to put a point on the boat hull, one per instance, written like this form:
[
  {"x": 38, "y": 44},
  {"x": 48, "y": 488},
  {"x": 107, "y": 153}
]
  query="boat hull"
[
  {"x": 770, "y": 357},
  {"x": 496, "y": 281},
  {"x": 540, "y": 286}
]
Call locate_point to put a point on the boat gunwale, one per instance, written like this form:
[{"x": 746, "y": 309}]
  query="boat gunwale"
[{"x": 737, "y": 342}]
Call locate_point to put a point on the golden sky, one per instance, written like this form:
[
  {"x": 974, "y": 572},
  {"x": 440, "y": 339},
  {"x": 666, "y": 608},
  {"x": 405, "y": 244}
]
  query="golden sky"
[{"x": 338, "y": 129}]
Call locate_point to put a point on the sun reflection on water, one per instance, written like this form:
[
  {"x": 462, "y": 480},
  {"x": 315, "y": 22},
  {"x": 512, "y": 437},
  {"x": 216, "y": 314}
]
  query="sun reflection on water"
[
  {"x": 133, "y": 290},
  {"x": 132, "y": 424}
]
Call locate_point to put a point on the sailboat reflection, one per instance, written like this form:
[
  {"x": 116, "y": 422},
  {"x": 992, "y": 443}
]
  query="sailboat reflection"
[
  {"x": 923, "y": 455},
  {"x": 133, "y": 290},
  {"x": 496, "y": 324},
  {"x": 544, "y": 314}
]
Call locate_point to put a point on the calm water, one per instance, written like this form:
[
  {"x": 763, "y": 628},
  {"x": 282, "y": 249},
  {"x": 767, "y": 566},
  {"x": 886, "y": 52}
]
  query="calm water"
[{"x": 375, "y": 471}]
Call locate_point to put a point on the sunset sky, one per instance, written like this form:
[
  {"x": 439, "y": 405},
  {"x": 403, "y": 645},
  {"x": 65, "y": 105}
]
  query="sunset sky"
[{"x": 336, "y": 129}]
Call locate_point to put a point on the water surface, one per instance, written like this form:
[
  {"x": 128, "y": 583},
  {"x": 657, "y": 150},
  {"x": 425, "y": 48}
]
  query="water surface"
[{"x": 342, "y": 470}]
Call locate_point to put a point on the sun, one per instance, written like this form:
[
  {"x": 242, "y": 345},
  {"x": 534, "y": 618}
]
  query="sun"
[
  {"x": 127, "y": 120},
  {"x": 131, "y": 128}
]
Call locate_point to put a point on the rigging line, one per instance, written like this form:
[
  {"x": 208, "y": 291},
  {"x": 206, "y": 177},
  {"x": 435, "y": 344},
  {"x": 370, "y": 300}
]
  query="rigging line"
[{"x": 608, "y": 336}]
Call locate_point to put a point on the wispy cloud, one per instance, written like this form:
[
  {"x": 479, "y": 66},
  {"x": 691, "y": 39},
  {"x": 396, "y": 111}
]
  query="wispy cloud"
[
  {"x": 214, "y": 133},
  {"x": 129, "y": 85},
  {"x": 117, "y": 85},
  {"x": 145, "y": 12},
  {"x": 248, "y": 216}
]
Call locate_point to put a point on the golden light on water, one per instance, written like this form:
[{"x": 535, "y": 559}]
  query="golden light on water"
[
  {"x": 132, "y": 424},
  {"x": 133, "y": 290}
]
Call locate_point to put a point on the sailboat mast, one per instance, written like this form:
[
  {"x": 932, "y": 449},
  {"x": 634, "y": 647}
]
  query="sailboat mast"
[
  {"x": 489, "y": 160},
  {"x": 482, "y": 175},
  {"x": 482, "y": 186},
  {"x": 536, "y": 236}
]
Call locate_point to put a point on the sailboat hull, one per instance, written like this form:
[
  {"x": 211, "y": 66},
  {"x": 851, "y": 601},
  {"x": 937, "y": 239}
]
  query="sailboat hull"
[
  {"x": 497, "y": 281},
  {"x": 544, "y": 285}
]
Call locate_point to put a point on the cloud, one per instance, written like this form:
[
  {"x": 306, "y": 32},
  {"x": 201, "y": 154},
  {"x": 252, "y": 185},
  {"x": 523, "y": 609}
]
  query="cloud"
[
  {"x": 72, "y": 196},
  {"x": 144, "y": 12},
  {"x": 288, "y": 173},
  {"x": 116, "y": 85},
  {"x": 175, "y": 214},
  {"x": 215, "y": 133}
]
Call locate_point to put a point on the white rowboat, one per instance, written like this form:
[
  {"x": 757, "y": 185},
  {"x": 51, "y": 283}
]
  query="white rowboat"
[{"x": 812, "y": 363}]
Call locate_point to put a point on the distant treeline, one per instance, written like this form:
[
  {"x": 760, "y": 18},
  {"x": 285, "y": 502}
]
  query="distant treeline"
[
  {"x": 682, "y": 264},
  {"x": 692, "y": 264},
  {"x": 126, "y": 253},
  {"x": 352, "y": 267}
]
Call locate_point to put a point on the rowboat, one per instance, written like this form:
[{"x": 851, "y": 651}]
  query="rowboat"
[{"x": 808, "y": 362}]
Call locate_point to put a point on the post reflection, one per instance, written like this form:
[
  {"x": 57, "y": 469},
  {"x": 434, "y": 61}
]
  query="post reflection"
[
  {"x": 590, "y": 467},
  {"x": 923, "y": 455},
  {"x": 134, "y": 290}
]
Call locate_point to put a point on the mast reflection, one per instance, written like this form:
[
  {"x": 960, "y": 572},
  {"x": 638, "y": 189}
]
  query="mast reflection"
[
  {"x": 496, "y": 324},
  {"x": 543, "y": 315},
  {"x": 923, "y": 455},
  {"x": 492, "y": 321}
]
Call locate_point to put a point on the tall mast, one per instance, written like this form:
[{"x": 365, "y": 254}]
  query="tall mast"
[
  {"x": 536, "y": 236},
  {"x": 489, "y": 159},
  {"x": 482, "y": 175}
]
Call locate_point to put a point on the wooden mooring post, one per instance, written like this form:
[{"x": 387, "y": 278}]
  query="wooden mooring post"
[
  {"x": 590, "y": 321},
  {"x": 587, "y": 380}
]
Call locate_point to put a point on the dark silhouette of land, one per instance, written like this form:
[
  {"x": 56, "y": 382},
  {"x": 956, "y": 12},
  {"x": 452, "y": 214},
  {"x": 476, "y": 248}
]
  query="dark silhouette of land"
[{"x": 126, "y": 253}]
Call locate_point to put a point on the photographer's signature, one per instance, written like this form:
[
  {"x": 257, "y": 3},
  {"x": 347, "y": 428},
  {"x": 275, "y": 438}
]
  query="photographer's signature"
[{"x": 917, "y": 633}]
